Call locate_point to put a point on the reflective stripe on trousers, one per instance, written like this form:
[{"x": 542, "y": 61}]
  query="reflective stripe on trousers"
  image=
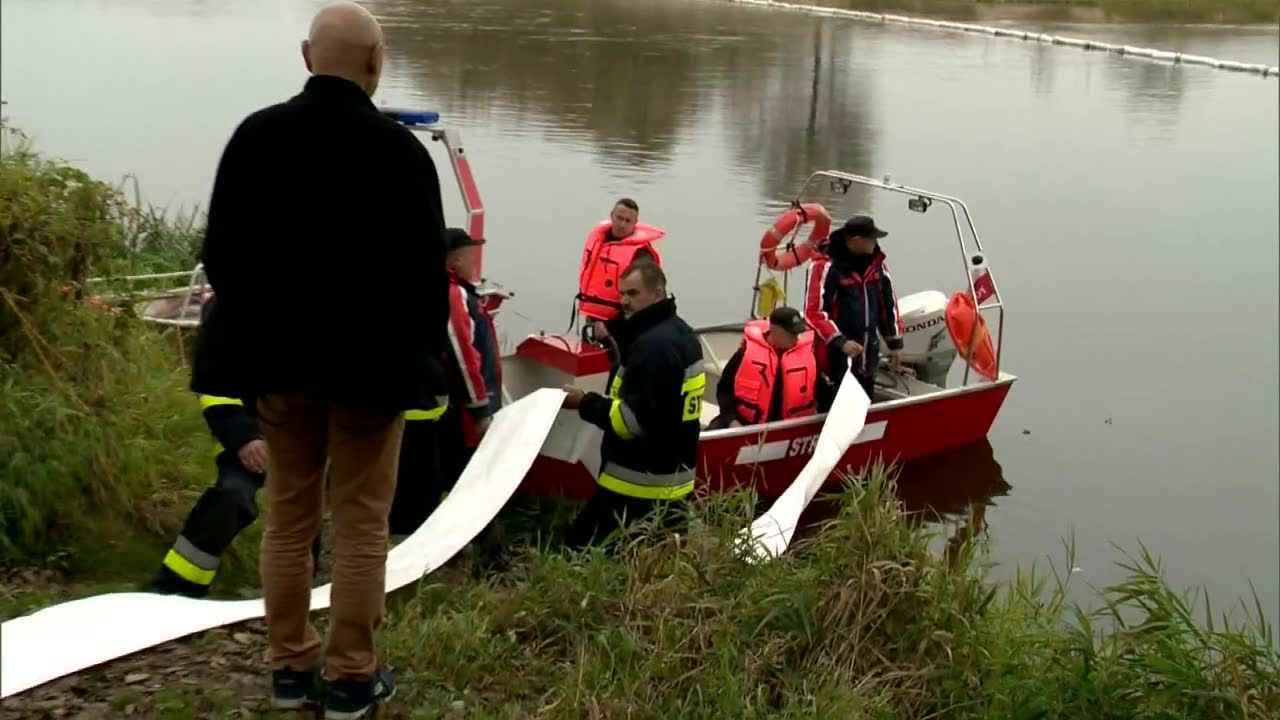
[
  {"x": 191, "y": 563},
  {"x": 644, "y": 485}
]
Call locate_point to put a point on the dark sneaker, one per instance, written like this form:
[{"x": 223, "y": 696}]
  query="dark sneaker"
[
  {"x": 352, "y": 699},
  {"x": 167, "y": 582},
  {"x": 292, "y": 689}
]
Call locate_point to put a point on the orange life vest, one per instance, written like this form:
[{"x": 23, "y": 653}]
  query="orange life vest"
[
  {"x": 753, "y": 385},
  {"x": 603, "y": 261}
]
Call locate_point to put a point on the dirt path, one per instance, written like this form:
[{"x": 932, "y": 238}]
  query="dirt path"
[{"x": 217, "y": 674}]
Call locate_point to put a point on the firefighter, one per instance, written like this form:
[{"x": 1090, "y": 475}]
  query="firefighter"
[
  {"x": 611, "y": 247},
  {"x": 225, "y": 509},
  {"x": 652, "y": 416},
  {"x": 772, "y": 376},
  {"x": 230, "y": 506}
]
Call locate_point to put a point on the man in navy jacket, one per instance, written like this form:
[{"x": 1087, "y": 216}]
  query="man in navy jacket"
[{"x": 851, "y": 302}]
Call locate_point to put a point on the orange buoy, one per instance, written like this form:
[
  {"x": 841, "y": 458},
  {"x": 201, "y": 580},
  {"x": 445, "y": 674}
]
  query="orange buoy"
[
  {"x": 793, "y": 255},
  {"x": 969, "y": 333},
  {"x": 92, "y": 301}
]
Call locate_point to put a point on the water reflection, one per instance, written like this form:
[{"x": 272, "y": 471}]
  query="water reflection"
[
  {"x": 954, "y": 489},
  {"x": 1152, "y": 91},
  {"x": 635, "y": 81},
  {"x": 951, "y": 489},
  {"x": 625, "y": 78},
  {"x": 810, "y": 109},
  {"x": 1041, "y": 62},
  {"x": 948, "y": 485}
]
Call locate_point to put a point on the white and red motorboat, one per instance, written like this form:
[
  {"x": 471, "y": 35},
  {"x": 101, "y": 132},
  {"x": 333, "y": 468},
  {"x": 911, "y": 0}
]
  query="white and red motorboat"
[{"x": 914, "y": 413}]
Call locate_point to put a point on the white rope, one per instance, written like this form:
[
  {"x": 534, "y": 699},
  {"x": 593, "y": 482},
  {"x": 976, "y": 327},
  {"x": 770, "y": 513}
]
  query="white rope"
[{"x": 1124, "y": 50}]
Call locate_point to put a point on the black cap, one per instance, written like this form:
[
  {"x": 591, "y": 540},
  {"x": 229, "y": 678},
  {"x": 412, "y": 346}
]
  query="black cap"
[
  {"x": 457, "y": 238},
  {"x": 789, "y": 319},
  {"x": 858, "y": 226}
]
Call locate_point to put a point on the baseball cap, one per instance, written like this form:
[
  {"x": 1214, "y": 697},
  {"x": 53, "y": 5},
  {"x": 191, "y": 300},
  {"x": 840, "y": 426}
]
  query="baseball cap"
[
  {"x": 457, "y": 238},
  {"x": 789, "y": 319},
  {"x": 858, "y": 226}
]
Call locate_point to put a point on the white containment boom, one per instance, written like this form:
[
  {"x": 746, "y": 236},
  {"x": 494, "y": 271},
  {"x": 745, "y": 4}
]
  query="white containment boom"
[
  {"x": 70, "y": 637},
  {"x": 771, "y": 533}
]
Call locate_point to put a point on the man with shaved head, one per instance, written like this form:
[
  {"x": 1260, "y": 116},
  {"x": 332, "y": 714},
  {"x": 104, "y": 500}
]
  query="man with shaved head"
[{"x": 325, "y": 247}]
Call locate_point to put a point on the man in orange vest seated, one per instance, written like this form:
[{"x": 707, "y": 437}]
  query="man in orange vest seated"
[
  {"x": 771, "y": 376},
  {"x": 611, "y": 246}
]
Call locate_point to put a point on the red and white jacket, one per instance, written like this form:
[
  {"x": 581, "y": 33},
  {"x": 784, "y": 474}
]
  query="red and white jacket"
[
  {"x": 473, "y": 356},
  {"x": 853, "y": 299}
]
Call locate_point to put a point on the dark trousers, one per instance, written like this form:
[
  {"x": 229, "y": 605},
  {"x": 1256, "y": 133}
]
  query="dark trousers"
[
  {"x": 720, "y": 422},
  {"x": 454, "y": 454},
  {"x": 420, "y": 482},
  {"x": 608, "y": 511},
  {"x": 838, "y": 364},
  {"x": 220, "y": 514}
]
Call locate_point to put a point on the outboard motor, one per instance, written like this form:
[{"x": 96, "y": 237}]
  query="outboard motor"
[{"x": 926, "y": 346}]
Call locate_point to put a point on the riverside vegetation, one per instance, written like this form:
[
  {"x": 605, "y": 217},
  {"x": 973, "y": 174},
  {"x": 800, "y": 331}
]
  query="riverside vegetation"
[{"x": 102, "y": 451}]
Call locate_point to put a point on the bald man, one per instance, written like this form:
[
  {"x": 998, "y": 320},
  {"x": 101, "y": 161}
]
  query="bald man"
[{"x": 325, "y": 246}]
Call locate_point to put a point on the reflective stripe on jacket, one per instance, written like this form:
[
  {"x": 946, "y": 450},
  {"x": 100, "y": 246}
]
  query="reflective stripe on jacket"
[
  {"x": 232, "y": 422},
  {"x": 652, "y": 415}
]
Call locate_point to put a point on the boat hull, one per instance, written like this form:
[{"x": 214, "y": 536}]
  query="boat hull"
[{"x": 767, "y": 458}]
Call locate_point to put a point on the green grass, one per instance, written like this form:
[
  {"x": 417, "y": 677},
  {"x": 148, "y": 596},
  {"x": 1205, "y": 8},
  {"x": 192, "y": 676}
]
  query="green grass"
[
  {"x": 859, "y": 619},
  {"x": 102, "y": 447}
]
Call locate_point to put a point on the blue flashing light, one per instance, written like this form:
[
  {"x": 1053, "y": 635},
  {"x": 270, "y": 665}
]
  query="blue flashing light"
[{"x": 412, "y": 117}]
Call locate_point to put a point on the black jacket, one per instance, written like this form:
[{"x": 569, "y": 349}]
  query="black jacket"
[
  {"x": 652, "y": 418},
  {"x": 233, "y": 422},
  {"x": 325, "y": 247}
]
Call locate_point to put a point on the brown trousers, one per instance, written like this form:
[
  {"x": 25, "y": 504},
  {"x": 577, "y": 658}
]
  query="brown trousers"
[{"x": 362, "y": 447}]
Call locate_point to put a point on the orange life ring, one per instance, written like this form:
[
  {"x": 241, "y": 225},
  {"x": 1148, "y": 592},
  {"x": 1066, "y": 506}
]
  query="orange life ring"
[
  {"x": 794, "y": 256},
  {"x": 965, "y": 323}
]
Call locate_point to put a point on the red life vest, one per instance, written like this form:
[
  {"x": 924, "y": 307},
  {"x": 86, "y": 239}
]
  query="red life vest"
[
  {"x": 753, "y": 385},
  {"x": 603, "y": 263}
]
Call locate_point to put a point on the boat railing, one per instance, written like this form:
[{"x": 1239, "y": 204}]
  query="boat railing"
[
  {"x": 968, "y": 240},
  {"x": 417, "y": 121},
  {"x": 196, "y": 285}
]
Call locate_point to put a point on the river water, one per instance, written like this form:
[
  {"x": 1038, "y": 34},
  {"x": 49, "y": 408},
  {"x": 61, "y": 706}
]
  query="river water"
[{"x": 1129, "y": 209}]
